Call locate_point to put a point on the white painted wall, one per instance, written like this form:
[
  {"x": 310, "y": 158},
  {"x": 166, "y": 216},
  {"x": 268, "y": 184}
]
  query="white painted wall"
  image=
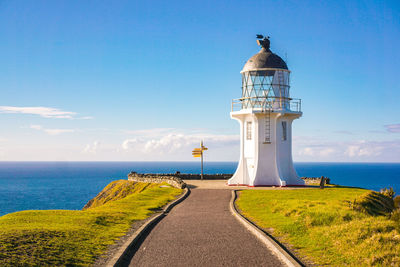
[{"x": 265, "y": 163}]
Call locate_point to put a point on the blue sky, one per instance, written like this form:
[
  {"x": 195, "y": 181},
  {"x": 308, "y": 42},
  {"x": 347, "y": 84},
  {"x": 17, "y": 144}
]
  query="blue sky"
[{"x": 146, "y": 80}]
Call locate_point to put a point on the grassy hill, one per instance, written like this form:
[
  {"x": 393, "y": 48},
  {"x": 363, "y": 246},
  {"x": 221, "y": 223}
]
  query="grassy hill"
[
  {"x": 334, "y": 226},
  {"x": 67, "y": 237}
]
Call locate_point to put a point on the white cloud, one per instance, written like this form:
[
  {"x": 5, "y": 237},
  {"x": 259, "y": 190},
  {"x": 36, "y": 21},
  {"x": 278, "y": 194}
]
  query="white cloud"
[
  {"x": 155, "y": 132},
  {"x": 393, "y": 128},
  {"x": 168, "y": 141},
  {"x": 364, "y": 149},
  {"x": 128, "y": 143},
  {"x": 36, "y": 127},
  {"x": 2, "y": 151},
  {"x": 326, "y": 152},
  {"x": 44, "y": 112},
  {"x": 91, "y": 148},
  {"x": 307, "y": 151},
  {"x": 85, "y": 118},
  {"x": 51, "y": 131},
  {"x": 58, "y": 131},
  {"x": 316, "y": 151},
  {"x": 311, "y": 149},
  {"x": 352, "y": 151}
]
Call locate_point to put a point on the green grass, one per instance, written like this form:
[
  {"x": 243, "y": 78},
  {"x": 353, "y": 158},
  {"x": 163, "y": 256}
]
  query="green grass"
[
  {"x": 322, "y": 226},
  {"x": 66, "y": 237}
]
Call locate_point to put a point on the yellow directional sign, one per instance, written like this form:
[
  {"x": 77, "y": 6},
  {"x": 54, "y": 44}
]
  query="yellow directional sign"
[
  {"x": 198, "y": 153},
  {"x": 197, "y": 149}
]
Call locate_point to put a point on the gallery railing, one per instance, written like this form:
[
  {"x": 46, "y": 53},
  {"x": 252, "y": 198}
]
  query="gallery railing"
[{"x": 267, "y": 103}]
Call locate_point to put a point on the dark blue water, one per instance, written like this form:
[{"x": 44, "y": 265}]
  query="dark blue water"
[
  {"x": 373, "y": 176},
  {"x": 69, "y": 185}
]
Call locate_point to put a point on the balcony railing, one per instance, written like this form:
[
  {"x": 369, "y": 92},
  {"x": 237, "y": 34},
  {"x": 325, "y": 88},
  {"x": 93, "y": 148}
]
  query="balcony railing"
[{"x": 270, "y": 103}]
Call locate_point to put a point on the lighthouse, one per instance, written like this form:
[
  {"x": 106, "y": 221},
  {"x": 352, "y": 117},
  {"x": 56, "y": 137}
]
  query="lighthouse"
[{"x": 265, "y": 113}]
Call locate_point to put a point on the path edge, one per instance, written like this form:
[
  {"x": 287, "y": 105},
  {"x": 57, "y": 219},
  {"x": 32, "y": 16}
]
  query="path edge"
[
  {"x": 122, "y": 254},
  {"x": 264, "y": 237}
]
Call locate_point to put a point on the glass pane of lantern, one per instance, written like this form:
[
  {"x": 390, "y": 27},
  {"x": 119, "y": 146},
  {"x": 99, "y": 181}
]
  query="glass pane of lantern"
[{"x": 261, "y": 88}]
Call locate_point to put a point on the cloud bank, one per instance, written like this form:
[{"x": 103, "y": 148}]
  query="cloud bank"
[
  {"x": 393, "y": 128},
  {"x": 51, "y": 131},
  {"x": 312, "y": 149},
  {"x": 45, "y": 112},
  {"x": 91, "y": 148},
  {"x": 177, "y": 143}
]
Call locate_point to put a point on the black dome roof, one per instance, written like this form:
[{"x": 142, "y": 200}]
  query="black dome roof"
[{"x": 265, "y": 58}]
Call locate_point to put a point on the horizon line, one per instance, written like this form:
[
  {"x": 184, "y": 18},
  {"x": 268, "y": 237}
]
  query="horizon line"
[{"x": 4, "y": 161}]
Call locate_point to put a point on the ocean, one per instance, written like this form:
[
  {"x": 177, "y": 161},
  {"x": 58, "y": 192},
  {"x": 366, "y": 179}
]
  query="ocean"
[{"x": 70, "y": 185}]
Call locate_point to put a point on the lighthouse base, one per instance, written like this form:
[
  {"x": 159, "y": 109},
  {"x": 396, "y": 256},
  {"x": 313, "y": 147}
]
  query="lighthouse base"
[
  {"x": 265, "y": 163},
  {"x": 241, "y": 179},
  {"x": 264, "y": 176}
]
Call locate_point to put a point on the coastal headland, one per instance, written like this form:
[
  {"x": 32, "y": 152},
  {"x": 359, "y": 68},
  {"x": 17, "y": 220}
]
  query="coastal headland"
[
  {"x": 79, "y": 238},
  {"x": 333, "y": 226}
]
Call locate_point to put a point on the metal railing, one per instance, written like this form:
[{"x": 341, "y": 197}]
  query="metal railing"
[{"x": 267, "y": 103}]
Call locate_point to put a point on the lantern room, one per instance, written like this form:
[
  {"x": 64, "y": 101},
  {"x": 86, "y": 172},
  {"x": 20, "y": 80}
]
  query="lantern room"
[{"x": 266, "y": 81}]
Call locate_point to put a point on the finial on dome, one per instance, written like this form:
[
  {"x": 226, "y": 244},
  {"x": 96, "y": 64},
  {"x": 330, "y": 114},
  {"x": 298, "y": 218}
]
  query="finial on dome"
[{"x": 263, "y": 41}]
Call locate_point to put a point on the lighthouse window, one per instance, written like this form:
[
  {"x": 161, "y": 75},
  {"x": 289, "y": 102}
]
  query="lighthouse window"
[
  {"x": 284, "y": 130},
  {"x": 248, "y": 130}
]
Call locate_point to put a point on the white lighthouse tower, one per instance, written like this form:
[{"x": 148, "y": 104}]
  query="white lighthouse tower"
[{"x": 265, "y": 113}]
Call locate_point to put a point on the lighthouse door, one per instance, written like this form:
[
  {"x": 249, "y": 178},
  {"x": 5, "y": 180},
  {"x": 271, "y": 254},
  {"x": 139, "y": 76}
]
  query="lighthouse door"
[{"x": 249, "y": 142}]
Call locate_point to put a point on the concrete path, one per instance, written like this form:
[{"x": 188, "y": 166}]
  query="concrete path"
[{"x": 202, "y": 232}]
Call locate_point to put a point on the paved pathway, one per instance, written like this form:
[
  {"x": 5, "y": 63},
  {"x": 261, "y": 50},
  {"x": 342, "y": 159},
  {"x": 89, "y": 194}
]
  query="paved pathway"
[{"x": 202, "y": 232}]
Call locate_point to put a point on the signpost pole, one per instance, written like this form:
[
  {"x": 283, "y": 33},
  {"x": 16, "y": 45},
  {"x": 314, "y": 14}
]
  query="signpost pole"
[
  {"x": 201, "y": 165},
  {"x": 201, "y": 145}
]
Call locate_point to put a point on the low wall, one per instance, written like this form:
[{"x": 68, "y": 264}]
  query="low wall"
[
  {"x": 189, "y": 176},
  {"x": 315, "y": 180},
  {"x": 156, "y": 178}
]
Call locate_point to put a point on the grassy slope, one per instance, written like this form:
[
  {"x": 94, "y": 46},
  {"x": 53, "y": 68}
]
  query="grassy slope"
[
  {"x": 322, "y": 227},
  {"x": 65, "y": 237}
]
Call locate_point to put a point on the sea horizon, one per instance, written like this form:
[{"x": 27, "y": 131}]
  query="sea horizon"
[{"x": 366, "y": 162}]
